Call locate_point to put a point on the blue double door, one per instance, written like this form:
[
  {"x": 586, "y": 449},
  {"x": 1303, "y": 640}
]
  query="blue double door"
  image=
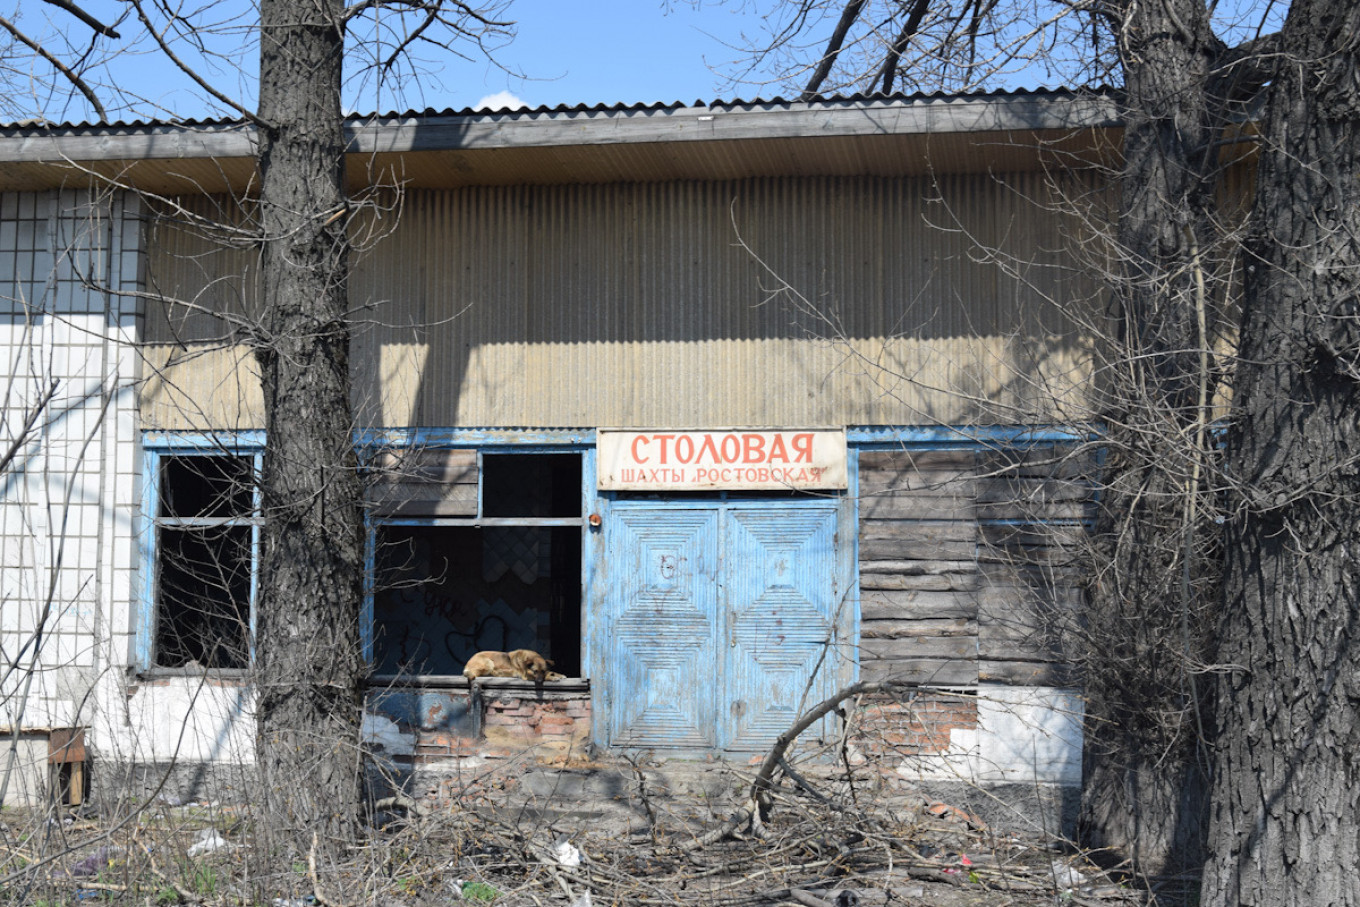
[{"x": 722, "y": 621}]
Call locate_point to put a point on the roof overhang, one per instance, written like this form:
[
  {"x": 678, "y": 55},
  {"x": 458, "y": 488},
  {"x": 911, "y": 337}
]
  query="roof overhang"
[{"x": 885, "y": 137}]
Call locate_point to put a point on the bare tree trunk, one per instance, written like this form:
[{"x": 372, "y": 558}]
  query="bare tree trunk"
[
  {"x": 309, "y": 663},
  {"x": 1144, "y": 788},
  {"x": 1285, "y": 826}
]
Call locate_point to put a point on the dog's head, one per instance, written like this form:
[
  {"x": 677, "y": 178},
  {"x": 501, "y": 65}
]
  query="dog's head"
[{"x": 530, "y": 665}]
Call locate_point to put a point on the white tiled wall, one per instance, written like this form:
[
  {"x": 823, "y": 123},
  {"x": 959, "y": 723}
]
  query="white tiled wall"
[
  {"x": 68, "y": 500},
  {"x": 70, "y": 555}
]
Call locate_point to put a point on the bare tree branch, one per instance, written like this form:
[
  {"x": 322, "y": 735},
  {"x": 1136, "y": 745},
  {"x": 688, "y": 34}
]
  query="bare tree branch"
[
  {"x": 833, "y": 48},
  {"x": 1243, "y": 71},
  {"x": 888, "y": 71},
  {"x": 70, "y": 75},
  {"x": 750, "y": 811},
  {"x": 191, "y": 73},
  {"x": 38, "y": 407},
  {"x": 981, "y": 8},
  {"x": 99, "y": 27},
  {"x": 431, "y": 17},
  {"x": 435, "y": 7}
]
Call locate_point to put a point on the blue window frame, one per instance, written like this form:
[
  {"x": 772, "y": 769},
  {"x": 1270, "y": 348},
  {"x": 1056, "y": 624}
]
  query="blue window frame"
[
  {"x": 201, "y": 537},
  {"x": 500, "y": 569}
]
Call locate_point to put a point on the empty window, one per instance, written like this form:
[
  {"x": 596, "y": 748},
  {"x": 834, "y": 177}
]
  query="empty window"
[
  {"x": 205, "y": 544},
  {"x": 448, "y": 592},
  {"x": 531, "y": 485},
  {"x": 473, "y": 551},
  {"x": 507, "y": 578}
]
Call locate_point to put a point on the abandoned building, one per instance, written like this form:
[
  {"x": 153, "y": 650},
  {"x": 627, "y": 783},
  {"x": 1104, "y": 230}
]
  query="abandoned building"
[{"x": 720, "y": 407}]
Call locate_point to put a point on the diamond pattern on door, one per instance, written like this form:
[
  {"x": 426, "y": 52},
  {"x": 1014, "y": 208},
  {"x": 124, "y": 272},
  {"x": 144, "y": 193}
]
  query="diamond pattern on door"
[
  {"x": 721, "y": 621},
  {"x": 781, "y": 602},
  {"x": 662, "y": 636}
]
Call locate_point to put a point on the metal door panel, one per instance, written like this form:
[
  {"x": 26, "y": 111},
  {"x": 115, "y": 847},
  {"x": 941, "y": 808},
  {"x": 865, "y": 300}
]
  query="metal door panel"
[
  {"x": 779, "y": 586},
  {"x": 721, "y": 621},
  {"x": 662, "y": 627}
]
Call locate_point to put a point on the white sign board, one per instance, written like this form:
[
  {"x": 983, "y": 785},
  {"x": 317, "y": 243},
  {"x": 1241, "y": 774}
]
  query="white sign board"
[{"x": 739, "y": 459}]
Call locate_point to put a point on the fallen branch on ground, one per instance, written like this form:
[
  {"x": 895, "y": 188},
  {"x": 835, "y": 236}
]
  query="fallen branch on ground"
[{"x": 755, "y": 808}]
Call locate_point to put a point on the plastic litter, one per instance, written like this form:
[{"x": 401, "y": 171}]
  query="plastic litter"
[
  {"x": 1066, "y": 877},
  {"x": 384, "y": 733},
  {"x": 208, "y": 841},
  {"x": 566, "y": 854},
  {"x": 94, "y": 864}
]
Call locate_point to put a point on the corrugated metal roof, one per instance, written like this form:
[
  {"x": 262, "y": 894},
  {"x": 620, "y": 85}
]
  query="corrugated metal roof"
[
  {"x": 834, "y": 136},
  {"x": 558, "y": 110},
  {"x": 775, "y": 103}
]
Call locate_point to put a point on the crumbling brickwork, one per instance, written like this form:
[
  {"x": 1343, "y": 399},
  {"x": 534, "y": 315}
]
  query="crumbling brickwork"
[
  {"x": 888, "y": 728},
  {"x": 510, "y": 724},
  {"x": 513, "y": 721}
]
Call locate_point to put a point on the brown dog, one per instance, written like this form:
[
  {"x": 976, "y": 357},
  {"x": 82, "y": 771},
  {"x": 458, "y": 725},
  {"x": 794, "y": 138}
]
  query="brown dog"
[{"x": 526, "y": 664}]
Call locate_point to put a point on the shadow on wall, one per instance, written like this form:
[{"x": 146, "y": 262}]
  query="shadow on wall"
[{"x": 871, "y": 301}]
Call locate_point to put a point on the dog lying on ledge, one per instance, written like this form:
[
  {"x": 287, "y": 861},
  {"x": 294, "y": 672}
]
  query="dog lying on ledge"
[{"x": 525, "y": 664}]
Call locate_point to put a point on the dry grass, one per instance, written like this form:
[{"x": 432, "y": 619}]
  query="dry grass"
[{"x": 832, "y": 843}]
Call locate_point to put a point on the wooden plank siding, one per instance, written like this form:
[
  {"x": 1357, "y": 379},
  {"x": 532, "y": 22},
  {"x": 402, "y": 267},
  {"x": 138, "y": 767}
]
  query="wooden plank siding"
[
  {"x": 967, "y": 563},
  {"x": 415, "y": 482}
]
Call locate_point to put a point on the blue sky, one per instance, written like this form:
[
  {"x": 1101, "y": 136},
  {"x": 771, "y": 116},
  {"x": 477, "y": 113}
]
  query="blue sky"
[
  {"x": 607, "y": 51},
  {"x": 566, "y": 52},
  {"x": 644, "y": 51}
]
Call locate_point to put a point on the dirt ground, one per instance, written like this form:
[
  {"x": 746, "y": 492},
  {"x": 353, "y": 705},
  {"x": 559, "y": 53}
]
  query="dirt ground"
[{"x": 816, "y": 847}]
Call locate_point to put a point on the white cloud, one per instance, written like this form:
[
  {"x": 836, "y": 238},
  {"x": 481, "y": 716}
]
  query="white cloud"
[{"x": 501, "y": 100}]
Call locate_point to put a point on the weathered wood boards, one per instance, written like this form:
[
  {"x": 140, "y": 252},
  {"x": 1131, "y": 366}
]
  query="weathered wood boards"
[
  {"x": 966, "y": 563},
  {"x": 424, "y": 483}
]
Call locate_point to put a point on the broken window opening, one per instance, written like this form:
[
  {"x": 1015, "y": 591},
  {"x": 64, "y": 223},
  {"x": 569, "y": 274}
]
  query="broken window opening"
[
  {"x": 531, "y": 485},
  {"x": 446, "y": 585},
  {"x": 205, "y": 555},
  {"x": 444, "y": 592}
]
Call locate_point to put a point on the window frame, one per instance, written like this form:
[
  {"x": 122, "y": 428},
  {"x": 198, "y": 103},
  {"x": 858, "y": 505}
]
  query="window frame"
[
  {"x": 156, "y": 448},
  {"x": 484, "y": 443},
  {"x": 160, "y": 444}
]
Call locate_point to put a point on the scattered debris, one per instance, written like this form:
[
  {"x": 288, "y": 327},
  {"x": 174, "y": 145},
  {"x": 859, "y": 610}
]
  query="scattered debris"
[
  {"x": 1066, "y": 877},
  {"x": 94, "y": 864},
  {"x": 208, "y": 841},
  {"x": 953, "y": 813},
  {"x": 566, "y": 855},
  {"x": 384, "y": 734},
  {"x": 824, "y": 839}
]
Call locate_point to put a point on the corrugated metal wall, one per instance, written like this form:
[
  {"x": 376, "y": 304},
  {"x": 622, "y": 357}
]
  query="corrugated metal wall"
[{"x": 821, "y": 301}]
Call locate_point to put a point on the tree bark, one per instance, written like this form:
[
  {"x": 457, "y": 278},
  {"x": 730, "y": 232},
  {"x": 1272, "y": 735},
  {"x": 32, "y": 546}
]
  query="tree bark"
[
  {"x": 1145, "y": 787},
  {"x": 1285, "y": 823},
  {"x": 308, "y": 656}
]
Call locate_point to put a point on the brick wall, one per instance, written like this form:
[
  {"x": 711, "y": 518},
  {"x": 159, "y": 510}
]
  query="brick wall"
[
  {"x": 533, "y": 722},
  {"x": 450, "y": 762},
  {"x": 559, "y": 725},
  {"x": 553, "y": 724},
  {"x": 889, "y": 729}
]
